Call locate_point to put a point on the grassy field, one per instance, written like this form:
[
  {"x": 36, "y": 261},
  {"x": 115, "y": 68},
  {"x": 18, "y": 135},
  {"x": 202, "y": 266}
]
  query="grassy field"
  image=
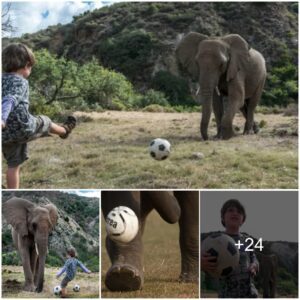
[
  {"x": 13, "y": 281},
  {"x": 162, "y": 264},
  {"x": 110, "y": 150}
]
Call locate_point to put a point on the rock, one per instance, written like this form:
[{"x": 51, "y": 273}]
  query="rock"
[{"x": 198, "y": 155}]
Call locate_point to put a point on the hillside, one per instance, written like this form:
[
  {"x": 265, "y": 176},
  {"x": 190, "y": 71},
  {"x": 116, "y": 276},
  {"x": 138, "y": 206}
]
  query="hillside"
[
  {"x": 138, "y": 39},
  {"x": 78, "y": 227}
]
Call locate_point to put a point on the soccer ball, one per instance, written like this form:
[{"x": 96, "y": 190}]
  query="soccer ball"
[
  {"x": 76, "y": 288},
  {"x": 57, "y": 290},
  {"x": 222, "y": 246},
  {"x": 159, "y": 149},
  {"x": 122, "y": 224}
]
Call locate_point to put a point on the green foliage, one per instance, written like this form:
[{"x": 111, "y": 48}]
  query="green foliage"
[
  {"x": 11, "y": 258},
  {"x": 53, "y": 260},
  {"x": 151, "y": 97},
  {"x": 175, "y": 88},
  {"x": 103, "y": 87},
  {"x": 128, "y": 53},
  {"x": 6, "y": 238},
  {"x": 282, "y": 87}
]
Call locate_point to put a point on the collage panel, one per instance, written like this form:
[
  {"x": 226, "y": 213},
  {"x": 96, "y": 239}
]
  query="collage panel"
[
  {"x": 142, "y": 255},
  {"x": 249, "y": 244},
  {"x": 50, "y": 244},
  {"x": 143, "y": 95}
]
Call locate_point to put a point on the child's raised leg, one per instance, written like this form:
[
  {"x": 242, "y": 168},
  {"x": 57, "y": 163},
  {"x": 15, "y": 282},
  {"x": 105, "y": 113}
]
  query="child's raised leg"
[
  {"x": 13, "y": 177},
  {"x": 64, "y": 130}
]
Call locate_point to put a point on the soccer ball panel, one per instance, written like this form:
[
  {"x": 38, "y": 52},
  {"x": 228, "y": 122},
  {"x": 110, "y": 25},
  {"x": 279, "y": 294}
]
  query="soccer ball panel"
[{"x": 122, "y": 224}]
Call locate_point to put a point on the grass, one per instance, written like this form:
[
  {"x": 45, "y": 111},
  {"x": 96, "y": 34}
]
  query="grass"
[
  {"x": 161, "y": 264},
  {"x": 13, "y": 281},
  {"x": 111, "y": 151}
]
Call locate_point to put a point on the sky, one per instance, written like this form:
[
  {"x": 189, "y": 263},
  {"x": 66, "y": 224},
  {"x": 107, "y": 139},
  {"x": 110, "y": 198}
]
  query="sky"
[
  {"x": 271, "y": 215},
  {"x": 84, "y": 193},
  {"x": 29, "y": 17}
]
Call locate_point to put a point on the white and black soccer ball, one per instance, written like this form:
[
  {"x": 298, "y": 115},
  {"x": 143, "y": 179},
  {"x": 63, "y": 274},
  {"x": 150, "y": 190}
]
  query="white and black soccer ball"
[
  {"x": 222, "y": 246},
  {"x": 76, "y": 288},
  {"x": 159, "y": 149},
  {"x": 57, "y": 290},
  {"x": 122, "y": 224}
]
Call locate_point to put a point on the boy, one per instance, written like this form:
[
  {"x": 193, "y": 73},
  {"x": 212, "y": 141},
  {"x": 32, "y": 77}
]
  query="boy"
[
  {"x": 18, "y": 125},
  {"x": 240, "y": 283},
  {"x": 70, "y": 268}
]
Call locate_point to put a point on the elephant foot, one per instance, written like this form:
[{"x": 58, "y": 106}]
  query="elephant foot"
[
  {"x": 29, "y": 287},
  {"x": 123, "y": 278},
  {"x": 188, "y": 278}
]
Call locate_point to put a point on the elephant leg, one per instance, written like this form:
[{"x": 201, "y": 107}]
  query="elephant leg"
[
  {"x": 235, "y": 102},
  {"x": 189, "y": 235},
  {"x": 251, "y": 105},
  {"x": 25, "y": 257},
  {"x": 164, "y": 202},
  {"x": 218, "y": 111},
  {"x": 126, "y": 271}
]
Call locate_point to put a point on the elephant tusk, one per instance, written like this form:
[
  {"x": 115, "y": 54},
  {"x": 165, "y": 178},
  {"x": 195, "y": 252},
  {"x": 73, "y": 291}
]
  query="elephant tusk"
[
  {"x": 36, "y": 248},
  {"x": 198, "y": 90},
  {"x": 218, "y": 91}
]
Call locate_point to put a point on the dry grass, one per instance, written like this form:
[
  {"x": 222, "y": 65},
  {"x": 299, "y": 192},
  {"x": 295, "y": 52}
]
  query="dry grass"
[
  {"x": 13, "y": 281},
  {"x": 162, "y": 264},
  {"x": 111, "y": 151}
]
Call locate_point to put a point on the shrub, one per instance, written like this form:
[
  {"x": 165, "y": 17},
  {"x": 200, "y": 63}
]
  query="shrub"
[{"x": 175, "y": 88}]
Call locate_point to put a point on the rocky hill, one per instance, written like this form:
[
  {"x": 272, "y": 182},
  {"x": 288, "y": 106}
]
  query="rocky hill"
[
  {"x": 78, "y": 227},
  {"x": 138, "y": 39}
]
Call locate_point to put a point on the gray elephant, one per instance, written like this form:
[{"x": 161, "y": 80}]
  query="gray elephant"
[
  {"x": 224, "y": 67},
  {"x": 126, "y": 271},
  {"x": 268, "y": 273},
  {"x": 31, "y": 226}
]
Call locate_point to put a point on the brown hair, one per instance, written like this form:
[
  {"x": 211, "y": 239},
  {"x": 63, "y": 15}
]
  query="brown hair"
[
  {"x": 16, "y": 56},
  {"x": 71, "y": 252},
  {"x": 232, "y": 203}
]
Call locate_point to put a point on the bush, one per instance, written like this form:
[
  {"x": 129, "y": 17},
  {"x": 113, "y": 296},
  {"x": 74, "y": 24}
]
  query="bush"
[
  {"x": 11, "y": 258},
  {"x": 151, "y": 97},
  {"x": 175, "y": 88}
]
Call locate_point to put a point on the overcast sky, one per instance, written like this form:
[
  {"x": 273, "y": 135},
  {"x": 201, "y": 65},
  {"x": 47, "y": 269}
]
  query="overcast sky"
[
  {"x": 271, "y": 215},
  {"x": 29, "y": 17}
]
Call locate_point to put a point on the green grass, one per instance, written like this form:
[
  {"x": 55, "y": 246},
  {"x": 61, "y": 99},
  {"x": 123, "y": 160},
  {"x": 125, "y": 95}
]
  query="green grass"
[
  {"x": 161, "y": 264},
  {"x": 112, "y": 152},
  {"x": 13, "y": 281}
]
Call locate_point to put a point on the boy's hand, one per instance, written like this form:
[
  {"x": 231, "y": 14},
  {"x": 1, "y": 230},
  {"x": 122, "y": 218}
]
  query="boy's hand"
[
  {"x": 208, "y": 262},
  {"x": 252, "y": 269}
]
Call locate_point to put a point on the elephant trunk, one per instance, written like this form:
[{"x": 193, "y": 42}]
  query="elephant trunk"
[
  {"x": 206, "y": 98},
  {"x": 41, "y": 248},
  {"x": 208, "y": 85}
]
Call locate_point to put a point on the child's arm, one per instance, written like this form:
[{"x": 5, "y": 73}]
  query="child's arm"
[
  {"x": 8, "y": 104},
  {"x": 61, "y": 271},
  {"x": 83, "y": 267}
]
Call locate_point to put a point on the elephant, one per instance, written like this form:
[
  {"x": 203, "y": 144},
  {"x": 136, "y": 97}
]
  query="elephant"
[
  {"x": 126, "y": 272},
  {"x": 268, "y": 273},
  {"x": 225, "y": 68},
  {"x": 31, "y": 226}
]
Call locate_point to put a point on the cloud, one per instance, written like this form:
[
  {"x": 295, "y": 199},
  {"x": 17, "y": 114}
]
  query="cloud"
[{"x": 29, "y": 17}]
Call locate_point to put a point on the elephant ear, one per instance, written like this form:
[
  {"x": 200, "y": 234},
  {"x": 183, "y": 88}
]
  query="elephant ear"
[
  {"x": 239, "y": 54},
  {"x": 53, "y": 213},
  {"x": 15, "y": 211},
  {"x": 187, "y": 50}
]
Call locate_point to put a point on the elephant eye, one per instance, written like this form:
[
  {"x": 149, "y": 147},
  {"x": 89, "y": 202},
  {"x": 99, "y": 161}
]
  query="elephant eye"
[{"x": 34, "y": 226}]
